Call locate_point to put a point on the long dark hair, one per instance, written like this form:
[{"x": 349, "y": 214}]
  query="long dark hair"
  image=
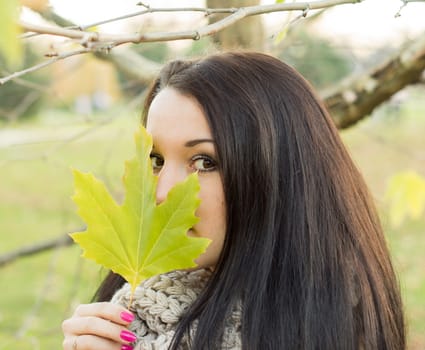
[{"x": 304, "y": 253}]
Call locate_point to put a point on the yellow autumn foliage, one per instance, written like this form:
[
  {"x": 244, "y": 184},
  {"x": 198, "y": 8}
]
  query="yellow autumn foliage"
[
  {"x": 10, "y": 46},
  {"x": 36, "y": 5},
  {"x": 405, "y": 196}
]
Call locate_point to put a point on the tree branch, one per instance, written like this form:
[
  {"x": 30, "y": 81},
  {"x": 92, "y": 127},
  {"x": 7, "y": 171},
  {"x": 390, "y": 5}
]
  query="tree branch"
[
  {"x": 52, "y": 16},
  {"x": 112, "y": 40},
  {"x": 404, "y": 4},
  {"x": 206, "y": 11},
  {"x": 348, "y": 104},
  {"x": 126, "y": 60},
  {"x": 42, "y": 65},
  {"x": 355, "y": 99},
  {"x": 96, "y": 41},
  {"x": 61, "y": 241}
]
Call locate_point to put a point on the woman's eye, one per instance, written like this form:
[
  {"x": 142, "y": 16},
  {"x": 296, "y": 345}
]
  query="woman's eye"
[
  {"x": 157, "y": 162},
  {"x": 203, "y": 164}
]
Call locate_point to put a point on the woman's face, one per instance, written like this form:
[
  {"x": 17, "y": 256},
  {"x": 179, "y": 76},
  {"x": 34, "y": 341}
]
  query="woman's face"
[{"x": 183, "y": 144}]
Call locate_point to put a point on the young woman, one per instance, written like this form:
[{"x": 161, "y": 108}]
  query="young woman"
[{"x": 298, "y": 259}]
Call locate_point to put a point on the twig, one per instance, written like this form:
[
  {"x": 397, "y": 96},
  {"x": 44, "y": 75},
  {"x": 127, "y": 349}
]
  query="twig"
[
  {"x": 23, "y": 106},
  {"x": 42, "y": 65},
  {"x": 46, "y": 156},
  {"x": 40, "y": 88},
  {"x": 26, "y": 83},
  {"x": 236, "y": 15},
  {"x": 356, "y": 97},
  {"x": 62, "y": 241},
  {"x": 405, "y": 2},
  {"x": 93, "y": 41},
  {"x": 207, "y": 11}
]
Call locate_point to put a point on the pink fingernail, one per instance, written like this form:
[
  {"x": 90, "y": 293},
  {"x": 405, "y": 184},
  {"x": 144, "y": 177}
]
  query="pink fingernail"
[
  {"x": 126, "y": 347},
  {"x": 127, "y": 316},
  {"x": 128, "y": 336}
]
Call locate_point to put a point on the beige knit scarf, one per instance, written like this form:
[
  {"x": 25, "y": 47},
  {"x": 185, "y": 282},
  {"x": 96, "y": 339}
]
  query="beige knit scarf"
[{"x": 159, "y": 303}]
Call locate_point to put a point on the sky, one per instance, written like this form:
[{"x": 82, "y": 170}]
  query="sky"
[{"x": 368, "y": 22}]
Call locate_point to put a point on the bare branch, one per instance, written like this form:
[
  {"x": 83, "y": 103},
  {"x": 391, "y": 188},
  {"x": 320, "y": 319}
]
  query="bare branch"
[
  {"x": 27, "y": 83},
  {"x": 50, "y": 15},
  {"x": 206, "y": 11},
  {"x": 357, "y": 98},
  {"x": 23, "y": 106},
  {"x": 96, "y": 41},
  {"x": 404, "y": 4},
  {"x": 126, "y": 60},
  {"x": 42, "y": 65},
  {"x": 236, "y": 15},
  {"x": 61, "y": 241}
]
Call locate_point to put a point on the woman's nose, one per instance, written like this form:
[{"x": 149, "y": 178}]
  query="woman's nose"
[{"x": 168, "y": 177}]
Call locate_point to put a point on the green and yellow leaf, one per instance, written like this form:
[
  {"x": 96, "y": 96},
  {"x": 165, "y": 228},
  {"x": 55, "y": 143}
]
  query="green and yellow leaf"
[
  {"x": 10, "y": 46},
  {"x": 139, "y": 238},
  {"x": 406, "y": 197}
]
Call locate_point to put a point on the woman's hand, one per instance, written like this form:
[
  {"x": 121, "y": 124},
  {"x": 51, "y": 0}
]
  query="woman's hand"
[{"x": 98, "y": 326}]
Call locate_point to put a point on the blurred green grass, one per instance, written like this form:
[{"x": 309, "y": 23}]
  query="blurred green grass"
[
  {"x": 38, "y": 292},
  {"x": 36, "y": 186}
]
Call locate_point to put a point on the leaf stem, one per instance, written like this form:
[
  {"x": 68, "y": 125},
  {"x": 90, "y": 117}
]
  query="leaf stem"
[{"x": 131, "y": 299}]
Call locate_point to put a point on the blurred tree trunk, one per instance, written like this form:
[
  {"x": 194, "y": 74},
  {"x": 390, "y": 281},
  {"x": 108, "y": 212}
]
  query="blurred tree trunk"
[
  {"x": 357, "y": 97},
  {"x": 247, "y": 33}
]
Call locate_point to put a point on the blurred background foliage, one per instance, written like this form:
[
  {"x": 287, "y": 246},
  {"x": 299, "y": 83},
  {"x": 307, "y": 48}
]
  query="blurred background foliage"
[
  {"x": 316, "y": 58},
  {"x": 81, "y": 113},
  {"x": 19, "y": 101}
]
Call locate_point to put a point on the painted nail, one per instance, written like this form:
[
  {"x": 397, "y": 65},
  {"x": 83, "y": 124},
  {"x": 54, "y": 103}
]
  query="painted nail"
[
  {"x": 127, "y": 316},
  {"x": 126, "y": 347},
  {"x": 128, "y": 336}
]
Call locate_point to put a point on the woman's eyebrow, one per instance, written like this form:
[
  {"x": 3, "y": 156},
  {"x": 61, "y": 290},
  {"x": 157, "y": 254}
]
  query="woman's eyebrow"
[{"x": 192, "y": 143}]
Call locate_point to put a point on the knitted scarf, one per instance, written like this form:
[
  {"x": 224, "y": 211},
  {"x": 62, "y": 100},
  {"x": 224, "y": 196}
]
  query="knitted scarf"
[{"x": 159, "y": 303}]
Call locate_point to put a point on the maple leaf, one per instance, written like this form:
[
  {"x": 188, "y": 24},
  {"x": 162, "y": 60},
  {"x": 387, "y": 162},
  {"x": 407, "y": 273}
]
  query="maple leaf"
[
  {"x": 138, "y": 239},
  {"x": 406, "y": 197}
]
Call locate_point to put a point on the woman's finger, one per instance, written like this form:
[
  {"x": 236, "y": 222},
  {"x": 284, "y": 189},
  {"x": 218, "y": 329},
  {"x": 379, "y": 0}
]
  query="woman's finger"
[
  {"x": 107, "y": 311},
  {"x": 93, "y": 325},
  {"x": 90, "y": 342}
]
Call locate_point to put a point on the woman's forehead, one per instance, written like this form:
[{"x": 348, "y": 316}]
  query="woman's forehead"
[{"x": 174, "y": 114}]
